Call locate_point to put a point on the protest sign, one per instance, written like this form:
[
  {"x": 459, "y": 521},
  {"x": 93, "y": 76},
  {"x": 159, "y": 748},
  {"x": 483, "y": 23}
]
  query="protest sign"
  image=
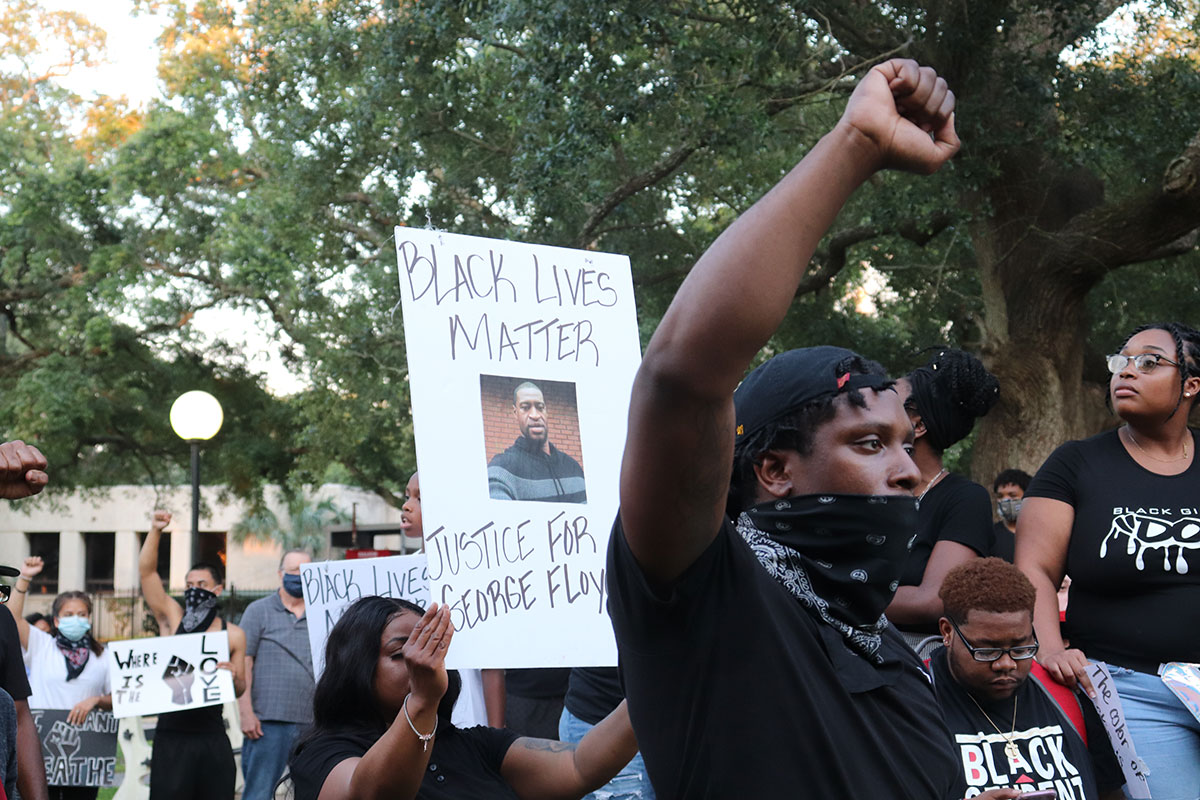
[
  {"x": 520, "y": 360},
  {"x": 169, "y": 673},
  {"x": 1108, "y": 706},
  {"x": 78, "y": 755},
  {"x": 331, "y": 586}
]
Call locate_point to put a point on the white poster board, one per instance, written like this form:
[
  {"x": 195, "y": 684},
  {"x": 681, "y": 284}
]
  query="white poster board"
[
  {"x": 331, "y": 586},
  {"x": 525, "y": 578},
  {"x": 169, "y": 673}
]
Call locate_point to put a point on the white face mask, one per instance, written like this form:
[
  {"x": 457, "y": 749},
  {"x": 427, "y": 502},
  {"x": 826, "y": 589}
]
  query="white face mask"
[{"x": 73, "y": 628}]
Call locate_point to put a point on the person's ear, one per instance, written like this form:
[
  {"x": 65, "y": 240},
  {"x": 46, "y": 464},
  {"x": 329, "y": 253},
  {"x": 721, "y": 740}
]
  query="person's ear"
[
  {"x": 945, "y": 629},
  {"x": 774, "y": 473},
  {"x": 1191, "y": 387},
  {"x": 918, "y": 424}
]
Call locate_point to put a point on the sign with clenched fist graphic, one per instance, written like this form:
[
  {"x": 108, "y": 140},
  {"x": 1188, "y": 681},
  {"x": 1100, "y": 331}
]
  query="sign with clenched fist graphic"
[
  {"x": 77, "y": 755},
  {"x": 169, "y": 673}
]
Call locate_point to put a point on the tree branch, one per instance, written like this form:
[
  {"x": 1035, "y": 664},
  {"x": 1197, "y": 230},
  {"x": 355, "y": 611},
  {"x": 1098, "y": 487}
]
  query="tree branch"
[
  {"x": 1044, "y": 33},
  {"x": 862, "y": 27},
  {"x": 831, "y": 260},
  {"x": 665, "y": 166},
  {"x": 1133, "y": 230}
]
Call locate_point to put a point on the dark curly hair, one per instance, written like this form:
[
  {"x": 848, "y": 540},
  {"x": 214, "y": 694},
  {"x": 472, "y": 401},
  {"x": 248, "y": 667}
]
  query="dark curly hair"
[
  {"x": 1017, "y": 477},
  {"x": 1187, "y": 353},
  {"x": 986, "y": 584},
  {"x": 794, "y": 431},
  {"x": 949, "y": 393}
]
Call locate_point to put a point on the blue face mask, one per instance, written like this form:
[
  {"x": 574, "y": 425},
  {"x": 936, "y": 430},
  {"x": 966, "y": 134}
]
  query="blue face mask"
[
  {"x": 293, "y": 585},
  {"x": 74, "y": 628}
]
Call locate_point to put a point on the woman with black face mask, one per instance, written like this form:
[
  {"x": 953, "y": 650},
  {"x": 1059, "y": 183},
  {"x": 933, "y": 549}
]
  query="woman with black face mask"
[
  {"x": 943, "y": 398},
  {"x": 192, "y": 758},
  {"x": 67, "y": 669}
]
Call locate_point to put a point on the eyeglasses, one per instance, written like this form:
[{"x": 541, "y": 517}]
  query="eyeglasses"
[
  {"x": 1022, "y": 652},
  {"x": 1146, "y": 362},
  {"x": 5, "y": 592}
]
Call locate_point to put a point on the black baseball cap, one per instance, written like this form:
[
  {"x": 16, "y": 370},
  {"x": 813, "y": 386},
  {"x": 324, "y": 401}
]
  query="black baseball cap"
[
  {"x": 9, "y": 572},
  {"x": 793, "y": 379}
]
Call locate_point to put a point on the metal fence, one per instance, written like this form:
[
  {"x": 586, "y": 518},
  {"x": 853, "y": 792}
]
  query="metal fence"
[{"x": 124, "y": 615}]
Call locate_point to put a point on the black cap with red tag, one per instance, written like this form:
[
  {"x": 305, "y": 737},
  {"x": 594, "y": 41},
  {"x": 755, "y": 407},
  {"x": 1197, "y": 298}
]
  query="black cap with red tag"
[{"x": 795, "y": 378}]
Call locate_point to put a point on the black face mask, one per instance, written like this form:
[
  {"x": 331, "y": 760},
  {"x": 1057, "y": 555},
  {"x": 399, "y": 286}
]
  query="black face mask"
[
  {"x": 199, "y": 610},
  {"x": 840, "y": 555}
]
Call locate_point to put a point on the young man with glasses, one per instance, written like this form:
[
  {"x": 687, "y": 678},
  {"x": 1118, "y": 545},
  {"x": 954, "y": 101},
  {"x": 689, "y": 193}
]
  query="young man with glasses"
[{"x": 1012, "y": 735}]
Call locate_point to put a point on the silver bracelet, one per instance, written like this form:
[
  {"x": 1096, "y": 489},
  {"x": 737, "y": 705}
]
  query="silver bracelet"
[{"x": 424, "y": 737}]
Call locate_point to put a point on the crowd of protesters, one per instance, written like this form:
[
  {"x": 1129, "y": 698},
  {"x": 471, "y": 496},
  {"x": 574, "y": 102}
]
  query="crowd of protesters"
[{"x": 806, "y": 600}]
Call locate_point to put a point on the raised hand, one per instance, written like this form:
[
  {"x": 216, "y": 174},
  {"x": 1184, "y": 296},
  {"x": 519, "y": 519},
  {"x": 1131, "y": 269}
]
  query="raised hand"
[
  {"x": 425, "y": 654},
  {"x": 22, "y": 470},
  {"x": 32, "y": 567},
  {"x": 907, "y": 113},
  {"x": 160, "y": 520}
]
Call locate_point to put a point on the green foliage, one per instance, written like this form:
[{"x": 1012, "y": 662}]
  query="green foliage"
[
  {"x": 298, "y": 134},
  {"x": 308, "y": 521}
]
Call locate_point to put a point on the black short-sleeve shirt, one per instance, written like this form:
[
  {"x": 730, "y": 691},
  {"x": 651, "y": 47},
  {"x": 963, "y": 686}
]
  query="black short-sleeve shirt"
[
  {"x": 735, "y": 690},
  {"x": 1134, "y": 554},
  {"x": 465, "y": 762},
  {"x": 12, "y": 669},
  {"x": 1004, "y": 542},
  {"x": 954, "y": 510},
  {"x": 1050, "y": 752}
]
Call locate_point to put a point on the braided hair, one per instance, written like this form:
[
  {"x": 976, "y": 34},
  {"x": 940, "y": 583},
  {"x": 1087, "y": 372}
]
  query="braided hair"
[
  {"x": 949, "y": 393},
  {"x": 1187, "y": 351}
]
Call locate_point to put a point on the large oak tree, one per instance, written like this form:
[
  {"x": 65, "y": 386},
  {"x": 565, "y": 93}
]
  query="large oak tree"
[{"x": 300, "y": 133}]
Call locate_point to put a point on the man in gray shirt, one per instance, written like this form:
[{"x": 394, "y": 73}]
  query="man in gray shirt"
[{"x": 279, "y": 679}]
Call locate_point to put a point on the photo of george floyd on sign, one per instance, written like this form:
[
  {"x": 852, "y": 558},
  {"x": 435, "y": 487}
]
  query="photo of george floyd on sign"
[
  {"x": 169, "y": 673},
  {"x": 331, "y": 586},
  {"x": 77, "y": 755},
  {"x": 520, "y": 360}
]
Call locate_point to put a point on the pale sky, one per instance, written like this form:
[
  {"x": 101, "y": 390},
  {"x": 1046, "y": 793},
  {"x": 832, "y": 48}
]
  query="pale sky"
[
  {"x": 132, "y": 72},
  {"x": 131, "y": 50}
]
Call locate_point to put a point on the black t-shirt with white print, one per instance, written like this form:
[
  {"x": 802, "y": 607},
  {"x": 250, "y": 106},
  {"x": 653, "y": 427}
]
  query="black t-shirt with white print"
[
  {"x": 1134, "y": 555},
  {"x": 1050, "y": 752}
]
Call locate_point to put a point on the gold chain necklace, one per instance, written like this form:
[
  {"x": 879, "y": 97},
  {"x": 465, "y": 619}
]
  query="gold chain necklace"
[
  {"x": 1129, "y": 433},
  {"x": 1010, "y": 750}
]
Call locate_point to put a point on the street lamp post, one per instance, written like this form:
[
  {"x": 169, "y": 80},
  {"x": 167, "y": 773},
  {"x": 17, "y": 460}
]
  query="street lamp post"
[{"x": 196, "y": 417}]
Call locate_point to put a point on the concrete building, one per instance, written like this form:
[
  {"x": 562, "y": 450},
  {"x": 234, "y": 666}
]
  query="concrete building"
[{"x": 90, "y": 541}]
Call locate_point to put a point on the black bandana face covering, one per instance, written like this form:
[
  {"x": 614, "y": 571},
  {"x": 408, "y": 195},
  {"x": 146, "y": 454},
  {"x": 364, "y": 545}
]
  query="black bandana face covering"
[
  {"x": 840, "y": 555},
  {"x": 199, "y": 610}
]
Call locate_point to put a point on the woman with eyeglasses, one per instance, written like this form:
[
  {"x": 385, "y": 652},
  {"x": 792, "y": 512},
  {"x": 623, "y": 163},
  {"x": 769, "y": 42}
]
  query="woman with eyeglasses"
[
  {"x": 67, "y": 670},
  {"x": 943, "y": 399},
  {"x": 1120, "y": 512}
]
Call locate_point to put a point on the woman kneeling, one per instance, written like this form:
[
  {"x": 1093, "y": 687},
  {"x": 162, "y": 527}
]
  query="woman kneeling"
[{"x": 381, "y": 723}]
